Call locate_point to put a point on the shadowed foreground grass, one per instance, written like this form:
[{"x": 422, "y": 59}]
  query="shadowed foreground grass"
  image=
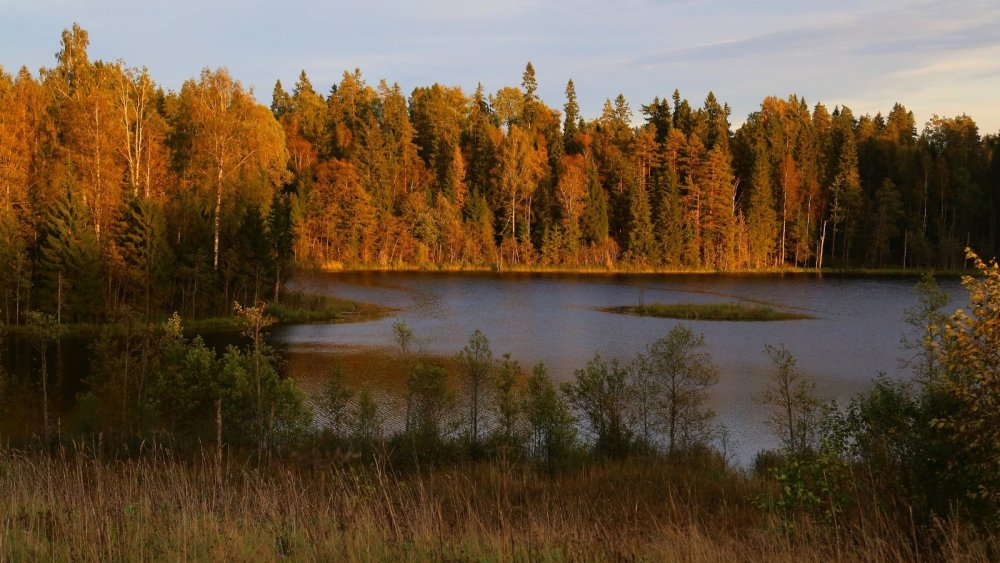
[
  {"x": 708, "y": 312},
  {"x": 75, "y": 507}
]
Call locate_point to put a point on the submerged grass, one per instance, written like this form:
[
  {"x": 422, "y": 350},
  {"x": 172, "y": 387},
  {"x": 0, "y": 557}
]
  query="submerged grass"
[
  {"x": 708, "y": 312},
  {"x": 79, "y": 507}
]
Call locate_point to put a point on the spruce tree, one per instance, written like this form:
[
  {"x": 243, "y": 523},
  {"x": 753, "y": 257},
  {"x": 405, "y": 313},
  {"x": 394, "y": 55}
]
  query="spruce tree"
[
  {"x": 641, "y": 242},
  {"x": 528, "y": 82},
  {"x": 571, "y": 123},
  {"x": 145, "y": 251},
  {"x": 69, "y": 263},
  {"x": 595, "y": 214}
]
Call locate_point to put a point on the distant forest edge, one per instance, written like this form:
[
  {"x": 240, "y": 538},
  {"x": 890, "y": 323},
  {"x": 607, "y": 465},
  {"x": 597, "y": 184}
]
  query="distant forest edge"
[{"x": 117, "y": 195}]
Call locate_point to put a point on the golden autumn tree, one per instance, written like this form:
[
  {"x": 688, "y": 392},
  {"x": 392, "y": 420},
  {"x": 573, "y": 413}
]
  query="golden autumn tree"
[
  {"x": 969, "y": 382},
  {"x": 520, "y": 169},
  {"x": 15, "y": 142},
  {"x": 89, "y": 129},
  {"x": 141, "y": 145},
  {"x": 233, "y": 145},
  {"x": 571, "y": 192}
]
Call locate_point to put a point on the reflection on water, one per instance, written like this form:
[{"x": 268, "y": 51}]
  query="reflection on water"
[{"x": 552, "y": 319}]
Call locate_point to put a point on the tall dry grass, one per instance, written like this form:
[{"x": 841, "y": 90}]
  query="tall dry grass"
[{"x": 74, "y": 506}]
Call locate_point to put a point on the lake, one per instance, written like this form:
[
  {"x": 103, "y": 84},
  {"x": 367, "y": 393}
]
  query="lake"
[{"x": 552, "y": 318}]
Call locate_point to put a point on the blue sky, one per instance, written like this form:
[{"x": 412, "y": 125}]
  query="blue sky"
[{"x": 933, "y": 56}]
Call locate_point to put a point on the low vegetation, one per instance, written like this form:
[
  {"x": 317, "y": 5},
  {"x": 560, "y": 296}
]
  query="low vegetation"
[
  {"x": 708, "y": 312},
  {"x": 176, "y": 451},
  {"x": 81, "y": 506}
]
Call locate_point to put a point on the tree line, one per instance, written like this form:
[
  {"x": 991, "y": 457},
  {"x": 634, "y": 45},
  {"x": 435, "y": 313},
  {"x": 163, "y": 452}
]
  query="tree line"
[{"x": 117, "y": 194}]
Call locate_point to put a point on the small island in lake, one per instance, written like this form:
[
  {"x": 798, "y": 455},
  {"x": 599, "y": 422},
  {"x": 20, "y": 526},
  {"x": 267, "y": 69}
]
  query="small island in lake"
[{"x": 708, "y": 312}]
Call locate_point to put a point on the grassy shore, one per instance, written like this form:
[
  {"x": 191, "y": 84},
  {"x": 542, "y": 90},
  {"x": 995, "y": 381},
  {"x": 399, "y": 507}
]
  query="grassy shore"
[
  {"x": 76, "y": 507},
  {"x": 707, "y": 312},
  {"x": 293, "y": 308}
]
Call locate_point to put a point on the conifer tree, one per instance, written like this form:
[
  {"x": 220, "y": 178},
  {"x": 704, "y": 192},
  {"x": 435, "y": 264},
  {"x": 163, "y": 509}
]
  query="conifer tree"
[
  {"x": 641, "y": 242},
  {"x": 762, "y": 219},
  {"x": 571, "y": 121},
  {"x": 281, "y": 238},
  {"x": 281, "y": 102},
  {"x": 528, "y": 82},
  {"x": 144, "y": 249},
  {"x": 69, "y": 275},
  {"x": 595, "y": 215}
]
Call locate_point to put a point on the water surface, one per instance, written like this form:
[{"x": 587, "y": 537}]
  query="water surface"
[{"x": 549, "y": 318}]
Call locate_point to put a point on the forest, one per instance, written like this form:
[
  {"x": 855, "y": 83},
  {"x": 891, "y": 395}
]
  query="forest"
[{"x": 118, "y": 195}]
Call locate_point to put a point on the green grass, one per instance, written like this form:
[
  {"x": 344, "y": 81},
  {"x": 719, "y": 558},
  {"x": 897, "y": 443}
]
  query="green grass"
[{"x": 708, "y": 312}]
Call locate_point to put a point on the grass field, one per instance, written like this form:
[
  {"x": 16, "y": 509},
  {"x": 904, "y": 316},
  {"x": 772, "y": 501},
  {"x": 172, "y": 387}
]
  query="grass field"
[{"x": 76, "y": 507}]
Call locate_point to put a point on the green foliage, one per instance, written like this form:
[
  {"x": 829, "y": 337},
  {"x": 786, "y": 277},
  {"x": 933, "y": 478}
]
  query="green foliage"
[
  {"x": 813, "y": 483},
  {"x": 550, "y": 421},
  {"x": 334, "y": 403},
  {"x": 926, "y": 450},
  {"x": 594, "y": 223},
  {"x": 431, "y": 408},
  {"x": 506, "y": 408},
  {"x": 243, "y": 385},
  {"x": 970, "y": 384},
  {"x": 146, "y": 255},
  {"x": 678, "y": 376},
  {"x": 367, "y": 428},
  {"x": 927, "y": 320},
  {"x": 69, "y": 273},
  {"x": 641, "y": 243},
  {"x": 476, "y": 361},
  {"x": 602, "y": 396},
  {"x": 281, "y": 238},
  {"x": 790, "y": 398},
  {"x": 898, "y": 454},
  {"x": 260, "y": 409}
]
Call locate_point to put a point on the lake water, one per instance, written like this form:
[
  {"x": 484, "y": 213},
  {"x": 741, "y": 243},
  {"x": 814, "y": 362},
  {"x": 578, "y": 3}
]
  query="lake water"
[{"x": 553, "y": 319}]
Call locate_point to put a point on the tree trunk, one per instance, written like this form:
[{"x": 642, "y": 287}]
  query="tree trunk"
[{"x": 218, "y": 210}]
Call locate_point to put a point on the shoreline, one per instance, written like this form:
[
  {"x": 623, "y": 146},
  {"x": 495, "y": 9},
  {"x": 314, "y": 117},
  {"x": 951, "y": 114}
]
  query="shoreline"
[
  {"x": 613, "y": 271},
  {"x": 326, "y": 310}
]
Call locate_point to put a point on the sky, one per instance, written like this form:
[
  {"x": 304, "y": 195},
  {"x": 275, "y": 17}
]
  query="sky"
[{"x": 934, "y": 57}]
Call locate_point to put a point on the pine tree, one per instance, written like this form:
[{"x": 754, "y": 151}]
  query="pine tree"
[{"x": 719, "y": 219}]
